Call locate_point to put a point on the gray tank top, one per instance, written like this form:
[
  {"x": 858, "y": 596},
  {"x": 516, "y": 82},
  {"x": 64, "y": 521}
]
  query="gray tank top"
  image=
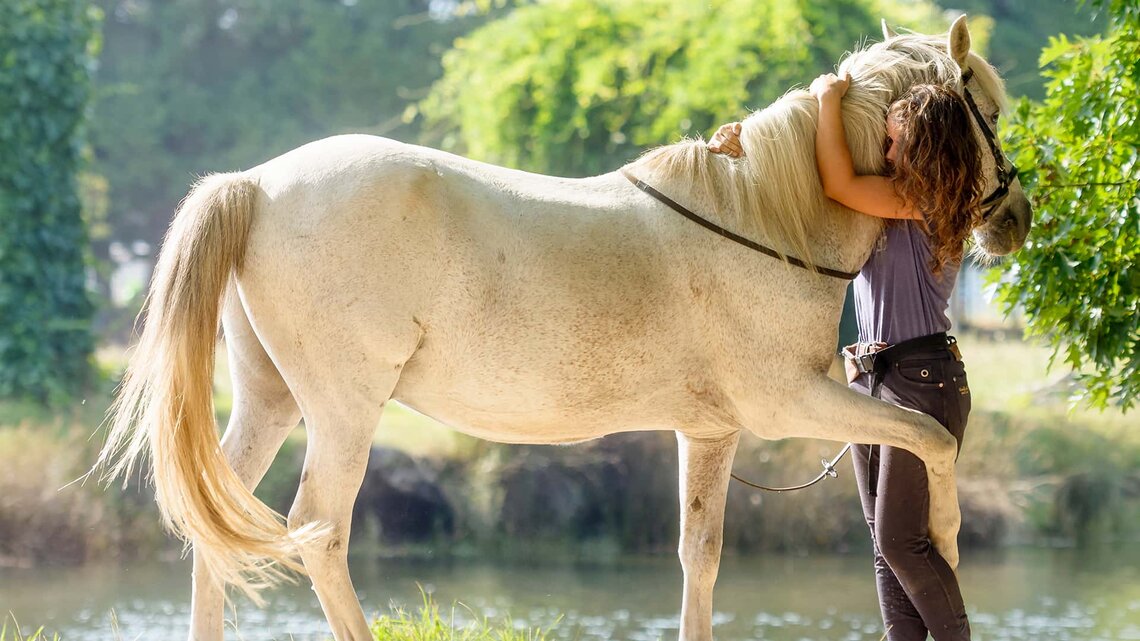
[{"x": 896, "y": 295}]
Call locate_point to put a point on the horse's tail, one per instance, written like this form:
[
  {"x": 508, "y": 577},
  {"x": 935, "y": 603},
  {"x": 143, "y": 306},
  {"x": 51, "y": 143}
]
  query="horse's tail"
[{"x": 165, "y": 405}]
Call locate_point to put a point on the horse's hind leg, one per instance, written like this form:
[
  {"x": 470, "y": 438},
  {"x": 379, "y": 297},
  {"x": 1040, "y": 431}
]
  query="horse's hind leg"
[
  {"x": 264, "y": 413},
  {"x": 705, "y": 466},
  {"x": 340, "y": 425}
]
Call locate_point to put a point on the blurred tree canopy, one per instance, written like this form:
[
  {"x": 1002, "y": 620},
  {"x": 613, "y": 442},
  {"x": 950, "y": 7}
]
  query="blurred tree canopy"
[
  {"x": 187, "y": 86},
  {"x": 576, "y": 87},
  {"x": 46, "y": 52},
  {"x": 564, "y": 86},
  {"x": 1078, "y": 277}
]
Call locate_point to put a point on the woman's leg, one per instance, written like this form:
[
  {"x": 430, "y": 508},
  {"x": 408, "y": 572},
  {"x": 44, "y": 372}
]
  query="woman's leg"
[
  {"x": 917, "y": 589},
  {"x": 900, "y": 618},
  {"x": 929, "y": 587}
]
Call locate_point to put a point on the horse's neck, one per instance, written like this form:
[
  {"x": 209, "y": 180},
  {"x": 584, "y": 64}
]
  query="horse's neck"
[
  {"x": 845, "y": 238},
  {"x": 838, "y": 237}
]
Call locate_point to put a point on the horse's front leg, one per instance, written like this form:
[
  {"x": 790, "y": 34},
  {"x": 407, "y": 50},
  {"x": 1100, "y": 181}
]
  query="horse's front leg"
[
  {"x": 705, "y": 466},
  {"x": 821, "y": 408}
]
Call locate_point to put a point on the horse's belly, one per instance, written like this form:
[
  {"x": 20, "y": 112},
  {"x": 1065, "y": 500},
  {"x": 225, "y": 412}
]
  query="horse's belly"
[
  {"x": 536, "y": 397},
  {"x": 520, "y": 426}
]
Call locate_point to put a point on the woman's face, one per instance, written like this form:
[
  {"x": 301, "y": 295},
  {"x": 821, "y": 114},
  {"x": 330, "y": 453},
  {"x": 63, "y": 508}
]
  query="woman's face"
[{"x": 892, "y": 136}]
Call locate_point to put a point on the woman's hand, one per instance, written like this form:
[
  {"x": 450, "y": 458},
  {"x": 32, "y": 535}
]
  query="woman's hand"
[
  {"x": 726, "y": 140},
  {"x": 830, "y": 86}
]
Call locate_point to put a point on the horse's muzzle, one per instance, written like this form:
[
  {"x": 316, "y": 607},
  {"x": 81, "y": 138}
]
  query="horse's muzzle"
[{"x": 1005, "y": 231}]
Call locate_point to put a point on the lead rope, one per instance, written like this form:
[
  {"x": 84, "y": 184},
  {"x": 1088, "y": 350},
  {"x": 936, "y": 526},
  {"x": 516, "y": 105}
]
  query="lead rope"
[{"x": 828, "y": 470}]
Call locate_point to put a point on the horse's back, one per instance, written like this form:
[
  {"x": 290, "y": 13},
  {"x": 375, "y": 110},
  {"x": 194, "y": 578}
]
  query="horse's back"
[{"x": 356, "y": 161}]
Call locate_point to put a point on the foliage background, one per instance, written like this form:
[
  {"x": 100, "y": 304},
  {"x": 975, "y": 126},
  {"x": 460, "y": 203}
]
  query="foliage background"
[
  {"x": 569, "y": 100},
  {"x": 46, "y": 51},
  {"x": 189, "y": 86},
  {"x": 1078, "y": 277}
]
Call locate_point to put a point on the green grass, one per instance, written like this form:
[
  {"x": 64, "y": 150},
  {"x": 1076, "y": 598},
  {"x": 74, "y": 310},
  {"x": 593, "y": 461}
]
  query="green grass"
[
  {"x": 1009, "y": 376},
  {"x": 400, "y": 427},
  {"x": 14, "y": 633},
  {"x": 412, "y": 432},
  {"x": 429, "y": 625},
  {"x": 1006, "y": 377}
]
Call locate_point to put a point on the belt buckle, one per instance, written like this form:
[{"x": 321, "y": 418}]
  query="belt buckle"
[
  {"x": 954, "y": 351},
  {"x": 865, "y": 363}
]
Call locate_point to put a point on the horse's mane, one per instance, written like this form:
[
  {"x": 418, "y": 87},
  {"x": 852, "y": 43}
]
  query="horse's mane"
[{"x": 773, "y": 192}]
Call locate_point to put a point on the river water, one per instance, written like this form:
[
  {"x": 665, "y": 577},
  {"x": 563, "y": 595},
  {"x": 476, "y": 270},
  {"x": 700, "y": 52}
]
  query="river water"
[{"x": 1018, "y": 594}]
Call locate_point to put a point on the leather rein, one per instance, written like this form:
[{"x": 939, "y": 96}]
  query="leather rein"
[
  {"x": 828, "y": 466},
  {"x": 721, "y": 231}
]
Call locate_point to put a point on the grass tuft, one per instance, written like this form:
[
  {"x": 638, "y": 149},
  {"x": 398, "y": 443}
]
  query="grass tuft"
[
  {"x": 429, "y": 625},
  {"x": 38, "y": 635}
]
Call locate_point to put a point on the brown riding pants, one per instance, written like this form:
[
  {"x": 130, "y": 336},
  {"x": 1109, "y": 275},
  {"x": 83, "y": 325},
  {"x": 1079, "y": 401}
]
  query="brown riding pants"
[{"x": 918, "y": 592}]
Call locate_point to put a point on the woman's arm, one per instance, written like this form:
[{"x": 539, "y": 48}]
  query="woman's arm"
[{"x": 872, "y": 195}]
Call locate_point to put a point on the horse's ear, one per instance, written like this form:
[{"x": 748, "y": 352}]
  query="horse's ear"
[
  {"x": 888, "y": 33},
  {"x": 959, "y": 43}
]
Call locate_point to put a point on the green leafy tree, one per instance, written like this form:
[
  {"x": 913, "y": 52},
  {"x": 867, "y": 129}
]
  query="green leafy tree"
[
  {"x": 1078, "y": 277},
  {"x": 578, "y": 87},
  {"x": 46, "y": 51}
]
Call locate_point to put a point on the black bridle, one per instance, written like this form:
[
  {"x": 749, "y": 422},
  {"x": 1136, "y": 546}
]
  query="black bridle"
[{"x": 1006, "y": 170}]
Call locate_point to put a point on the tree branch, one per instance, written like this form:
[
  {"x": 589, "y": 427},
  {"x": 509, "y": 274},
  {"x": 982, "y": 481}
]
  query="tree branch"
[{"x": 1119, "y": 183}]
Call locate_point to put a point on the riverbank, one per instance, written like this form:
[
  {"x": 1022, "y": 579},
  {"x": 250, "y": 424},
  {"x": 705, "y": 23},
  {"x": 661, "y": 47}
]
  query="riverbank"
[{"x": 1031, "y": 472}]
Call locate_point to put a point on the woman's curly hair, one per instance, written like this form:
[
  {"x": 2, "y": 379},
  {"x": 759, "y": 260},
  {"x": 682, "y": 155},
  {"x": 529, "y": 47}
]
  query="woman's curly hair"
[{"x": 938, "y": 167}]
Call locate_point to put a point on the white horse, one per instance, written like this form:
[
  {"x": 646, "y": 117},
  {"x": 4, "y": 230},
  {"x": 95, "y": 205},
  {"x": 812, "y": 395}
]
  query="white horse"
[{"x": 519, "y": 308}]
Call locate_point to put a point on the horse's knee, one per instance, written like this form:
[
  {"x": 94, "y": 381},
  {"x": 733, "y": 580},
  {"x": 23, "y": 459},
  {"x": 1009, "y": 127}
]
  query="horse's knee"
[
  {"x": 700, "y": 551},
  {"x": 941, "y": 445},
  {"x": 308, "y": 511}
]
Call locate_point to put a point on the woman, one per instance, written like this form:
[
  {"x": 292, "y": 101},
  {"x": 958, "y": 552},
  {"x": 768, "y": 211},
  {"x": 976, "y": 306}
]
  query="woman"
[{"x": 904, "y": 356}]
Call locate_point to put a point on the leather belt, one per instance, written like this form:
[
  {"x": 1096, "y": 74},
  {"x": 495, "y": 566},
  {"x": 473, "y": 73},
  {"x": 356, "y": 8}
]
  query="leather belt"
[{"x": 870, "y": 358}]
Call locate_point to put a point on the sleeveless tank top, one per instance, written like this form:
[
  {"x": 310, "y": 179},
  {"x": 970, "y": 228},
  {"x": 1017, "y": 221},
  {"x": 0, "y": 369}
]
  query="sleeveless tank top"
[{"x": 896, "y": 295}]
